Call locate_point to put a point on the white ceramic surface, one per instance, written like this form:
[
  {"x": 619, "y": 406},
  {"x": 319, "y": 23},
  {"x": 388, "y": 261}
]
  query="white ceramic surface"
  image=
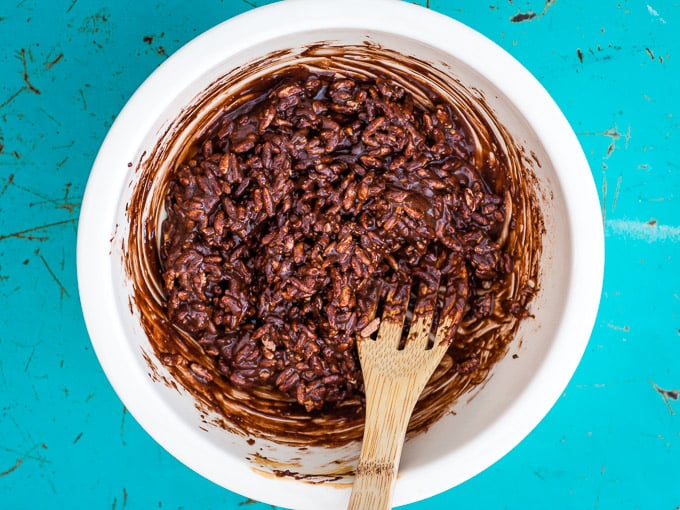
[{"x": 519, "y": 393}]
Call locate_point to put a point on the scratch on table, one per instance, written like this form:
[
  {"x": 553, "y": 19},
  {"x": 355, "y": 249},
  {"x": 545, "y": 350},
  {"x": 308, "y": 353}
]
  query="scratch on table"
[
  {"x": 69, "y": 206},
  {"x": 10, "y": 181},
  {"x": 656, "y": 199},
  {"x": 73, "y": 2},
  {"x": 93, "y": 24},
  {"x": 77, "y": 438},
  {"x": 667, "y": 396},
  {"x": 27, "y": 82},
  {"x": 614, "y": 134},
  {"x": 82, "y": 98},
  {"x": 64, "y": 146},
  {"x": 11, "y": 98},
  {"x": 26, "y": 233},
  {"x": 50, "y": 116},
  {"x": 27, "y": 455},
  {"x": 13, "y": 468},
  {"x": 125, "y": 497},
  {"x": 98, "y": 24},
  {"x": 29, "y": 360},
  {"x": 62, "y": 203},
  {"x": 616, "y": 192},
  {"x": 50, "y": 64},
  {"x": 62, "y": 290},
  {"x": 122, "y": 426},
  {"x": 618, "y": 328},
  {"x": 604, "y": 196}
]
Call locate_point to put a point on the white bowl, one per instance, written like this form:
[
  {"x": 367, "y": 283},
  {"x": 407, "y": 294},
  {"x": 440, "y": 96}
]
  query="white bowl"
[{"x": 519, "y": 393}]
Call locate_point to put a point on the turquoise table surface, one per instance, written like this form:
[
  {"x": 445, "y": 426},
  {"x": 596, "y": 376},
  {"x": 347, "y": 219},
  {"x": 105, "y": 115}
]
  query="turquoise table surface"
[{"x": 612, "y": 440}]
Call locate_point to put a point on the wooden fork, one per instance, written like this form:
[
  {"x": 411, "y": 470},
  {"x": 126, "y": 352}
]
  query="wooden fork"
[{"x": 393, "y": 381}]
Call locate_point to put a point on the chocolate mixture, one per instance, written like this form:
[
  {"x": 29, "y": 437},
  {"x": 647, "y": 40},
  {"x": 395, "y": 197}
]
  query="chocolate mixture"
[{"x": 302, "y": 212}]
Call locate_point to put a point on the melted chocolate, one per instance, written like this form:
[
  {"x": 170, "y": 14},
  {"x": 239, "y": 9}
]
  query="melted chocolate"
[{"x": 266, "y": 414}]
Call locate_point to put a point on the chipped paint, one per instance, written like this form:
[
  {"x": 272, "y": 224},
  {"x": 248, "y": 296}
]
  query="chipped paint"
[
  {"x": 642, "y": 230},
  {"x": 529, "y": 15},
  {"x": 667, "y": 396},
  {"x": 654, "y": 14}
]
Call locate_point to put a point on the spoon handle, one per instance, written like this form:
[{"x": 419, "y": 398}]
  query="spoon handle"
[{"x": 389, "y": 404}]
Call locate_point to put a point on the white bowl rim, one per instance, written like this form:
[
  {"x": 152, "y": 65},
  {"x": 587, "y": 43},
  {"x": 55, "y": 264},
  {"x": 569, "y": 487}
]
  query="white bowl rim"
[{"x": 122, "y": 142}]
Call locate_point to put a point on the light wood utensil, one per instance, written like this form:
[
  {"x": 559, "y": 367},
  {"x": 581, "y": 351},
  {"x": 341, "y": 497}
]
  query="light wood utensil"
[{"x": 393, "y": 381}]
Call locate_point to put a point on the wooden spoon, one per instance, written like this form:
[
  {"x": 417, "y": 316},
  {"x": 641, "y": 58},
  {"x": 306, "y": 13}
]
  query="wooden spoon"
[{"x": 394, "y": 378}]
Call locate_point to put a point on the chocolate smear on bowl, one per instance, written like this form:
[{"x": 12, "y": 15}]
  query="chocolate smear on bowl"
[{"x": 291, "y": 199}]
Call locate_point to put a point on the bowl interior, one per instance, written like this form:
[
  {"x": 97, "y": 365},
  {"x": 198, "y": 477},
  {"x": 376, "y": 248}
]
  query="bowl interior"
[{"x": 481, "y": 427}]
